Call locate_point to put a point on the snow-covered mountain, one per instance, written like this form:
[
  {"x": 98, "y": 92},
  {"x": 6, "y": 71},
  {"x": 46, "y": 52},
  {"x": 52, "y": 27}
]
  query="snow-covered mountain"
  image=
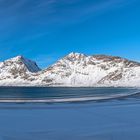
[
  {"x": 78, "y": 69},
  {"x": 74, "y": 70},
  {"x": 17, "y": 70}
]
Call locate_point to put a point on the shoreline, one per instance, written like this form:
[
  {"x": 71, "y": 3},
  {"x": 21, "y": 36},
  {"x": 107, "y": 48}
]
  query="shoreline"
[{"x": 73, "y": 99}]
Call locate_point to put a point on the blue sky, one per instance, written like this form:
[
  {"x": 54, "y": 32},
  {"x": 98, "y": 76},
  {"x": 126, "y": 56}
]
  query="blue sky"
[{"x": 46, "y": 30}]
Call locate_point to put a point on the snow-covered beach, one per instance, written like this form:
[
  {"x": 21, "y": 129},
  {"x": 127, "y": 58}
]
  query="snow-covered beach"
[{"x": 110, "y": 120}]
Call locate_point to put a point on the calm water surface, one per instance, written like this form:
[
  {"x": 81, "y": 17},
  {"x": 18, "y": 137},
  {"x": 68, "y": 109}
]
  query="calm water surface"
[{"x": 46, "y": 94}]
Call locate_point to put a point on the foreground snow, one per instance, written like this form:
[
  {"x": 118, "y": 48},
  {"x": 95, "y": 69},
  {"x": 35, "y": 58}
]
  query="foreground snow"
[
  {"x": 74, "y": 70},
  {"x": 117, "y": 120}
]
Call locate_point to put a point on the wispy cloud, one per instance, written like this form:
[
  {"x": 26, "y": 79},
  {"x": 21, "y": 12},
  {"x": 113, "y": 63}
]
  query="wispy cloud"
[
  {"x": 22, "y": 12},
  {"x": 27, "y": 19}
]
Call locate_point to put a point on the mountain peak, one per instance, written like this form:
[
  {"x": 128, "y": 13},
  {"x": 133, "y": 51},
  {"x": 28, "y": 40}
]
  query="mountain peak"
[
  {"x": 21, "y": 60},
  {"x": 20, "y": 57},
  {"x": 17, "y": 58},
  {"x": 75, "y": 55}
]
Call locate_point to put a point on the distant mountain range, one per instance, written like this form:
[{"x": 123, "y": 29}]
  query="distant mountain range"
[{"x": 74, "y": 70}]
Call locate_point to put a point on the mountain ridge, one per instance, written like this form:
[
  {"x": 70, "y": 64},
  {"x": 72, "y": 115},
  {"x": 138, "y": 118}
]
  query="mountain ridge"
[{"x": 73, "y": 70}]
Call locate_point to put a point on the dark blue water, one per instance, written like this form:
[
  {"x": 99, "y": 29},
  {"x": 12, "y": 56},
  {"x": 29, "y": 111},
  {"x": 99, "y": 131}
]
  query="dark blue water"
[{"x": 46, "y": 94}]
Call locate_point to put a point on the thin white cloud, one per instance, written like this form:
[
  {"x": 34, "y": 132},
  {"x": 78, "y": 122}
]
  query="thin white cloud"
[
  {"x": 53, "y": 10},
  {"x": 16, "y": 15}
]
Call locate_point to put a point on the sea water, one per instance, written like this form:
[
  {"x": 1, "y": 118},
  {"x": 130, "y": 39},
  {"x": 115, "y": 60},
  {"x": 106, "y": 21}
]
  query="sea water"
[{"x": 60, "y": 95}]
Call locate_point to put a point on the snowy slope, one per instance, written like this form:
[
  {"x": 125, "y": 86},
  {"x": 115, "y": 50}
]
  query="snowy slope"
[
  {"x": 74, "y": 70},
  {"x": 17, "y": 70},
  {"x": 98, "y": 70}
]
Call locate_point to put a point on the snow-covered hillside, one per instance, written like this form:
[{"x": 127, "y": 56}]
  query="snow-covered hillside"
[
  {"x": 74, "y": 70},
  {"x": 17, "y": 70},
  {"x": 98, "y": 70}
]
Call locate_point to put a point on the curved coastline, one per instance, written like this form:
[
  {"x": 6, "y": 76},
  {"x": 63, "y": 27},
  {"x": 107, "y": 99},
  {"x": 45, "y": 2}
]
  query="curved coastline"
[{"x": 72, "y": 99}]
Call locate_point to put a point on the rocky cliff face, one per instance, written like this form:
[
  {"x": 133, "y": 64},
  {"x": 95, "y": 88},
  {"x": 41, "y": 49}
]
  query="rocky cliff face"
[{"x": 74, "y": 69}]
